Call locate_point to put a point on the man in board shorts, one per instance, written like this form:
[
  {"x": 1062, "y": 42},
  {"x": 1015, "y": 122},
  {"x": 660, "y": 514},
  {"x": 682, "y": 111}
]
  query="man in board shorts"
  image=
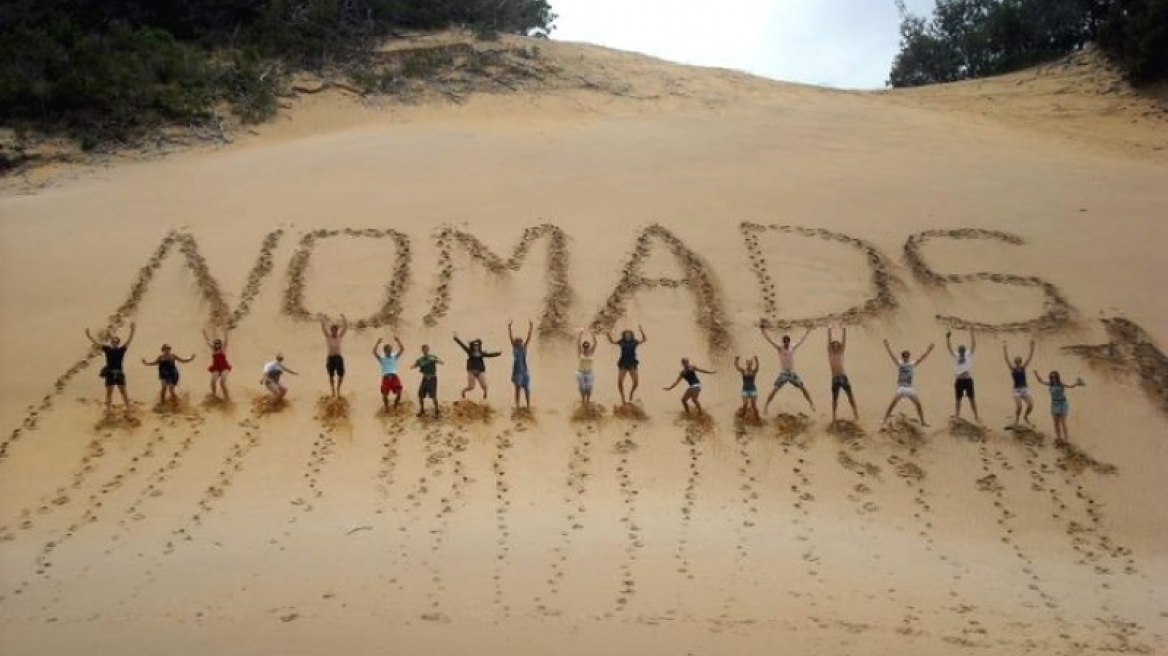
[
  {"x": 334, "y": 364},
  {"x": 787, "y": 367},
  {"x": 839, "y": 377},
  {"x": 428, "y": 388},
  {"x": 390, "y": 383}
]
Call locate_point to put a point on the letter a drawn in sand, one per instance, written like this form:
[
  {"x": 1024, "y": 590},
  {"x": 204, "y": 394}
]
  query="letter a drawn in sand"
[{"x": 707, "y": 297}]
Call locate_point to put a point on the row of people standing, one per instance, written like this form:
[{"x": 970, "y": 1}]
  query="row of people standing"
[{"x": 628, "y": 366}]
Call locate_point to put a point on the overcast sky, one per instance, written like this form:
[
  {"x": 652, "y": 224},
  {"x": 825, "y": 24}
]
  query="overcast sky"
[{"x": 840, "y": 43}]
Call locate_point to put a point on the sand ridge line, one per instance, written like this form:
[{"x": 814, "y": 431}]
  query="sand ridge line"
[
  {"x": 587, "y": 430},
  {"x": 1129, "y": 349},
  {"x": 624, "y": 448},
  {"x": 557, "y": 303},
  {"x": 1058, "y": 314},
  {"x": 197, "y": 264},
  {"x": 503, "y": 445},
  {"x": 391, "y": 307},
  {"x": 698, "y": 279},
  {"x": 883, "y": 300}
]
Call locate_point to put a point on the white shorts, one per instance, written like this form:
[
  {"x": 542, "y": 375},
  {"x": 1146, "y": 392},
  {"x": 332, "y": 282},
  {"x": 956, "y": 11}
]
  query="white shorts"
[
  {"x": 910, "y": 392},
  {"x": 1021, "y": 392}
]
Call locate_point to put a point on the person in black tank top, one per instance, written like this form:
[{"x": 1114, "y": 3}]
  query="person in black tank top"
[
  {"x": 1022, "y": 398},
  {"x": 689, "y": 373},
  {"x": 749, "y": 373},
  {"x": 167, "y": 364},
  {"x": 112, "y": 373},
  {"x": 628, "y": 364}
]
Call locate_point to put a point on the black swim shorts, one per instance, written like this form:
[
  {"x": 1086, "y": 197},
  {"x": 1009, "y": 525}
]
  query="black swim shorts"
[{"x": 335, "y": 365}]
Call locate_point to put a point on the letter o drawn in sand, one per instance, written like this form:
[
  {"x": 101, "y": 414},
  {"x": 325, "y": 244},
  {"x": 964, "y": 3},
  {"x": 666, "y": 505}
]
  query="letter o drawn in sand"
[{"x": 391, "y": 308}]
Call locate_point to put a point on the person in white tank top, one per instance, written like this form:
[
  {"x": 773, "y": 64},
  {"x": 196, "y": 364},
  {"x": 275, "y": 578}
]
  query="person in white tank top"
[
  {"x": 963, "y": 370},
  {"x": 585, "y": 379}
]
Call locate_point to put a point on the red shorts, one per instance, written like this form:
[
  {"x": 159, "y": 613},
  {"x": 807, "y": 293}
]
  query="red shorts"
[{"x": 391, "y": 383}]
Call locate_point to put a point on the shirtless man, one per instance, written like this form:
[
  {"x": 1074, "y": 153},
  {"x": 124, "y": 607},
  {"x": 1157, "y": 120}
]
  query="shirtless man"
[
  {"x": 112, "y": 373},
  {"x": 335, "y": 363},
  {"x": 787, "y": 367},
  {"x": 839, "y": 378}
]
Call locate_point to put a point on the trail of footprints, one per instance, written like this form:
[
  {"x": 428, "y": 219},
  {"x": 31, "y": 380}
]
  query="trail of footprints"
[
  {"x": 454, "y": 445},
  {"x": 574, "y": 502},
  {"x": 852, "y": 444},
  {"x": 503, "y": 445},
  {"x": 694, "y": 436},
  {"x": 633, "y": 544},
  {"x": 748, "y": 514}
]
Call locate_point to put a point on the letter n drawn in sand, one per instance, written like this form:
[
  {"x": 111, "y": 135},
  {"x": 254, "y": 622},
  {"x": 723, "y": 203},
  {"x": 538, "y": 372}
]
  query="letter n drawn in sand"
[
  {"x": 553, "y": 320},
  {"x": 881, "y": 300},
  {"x": 696, "y": 277}
]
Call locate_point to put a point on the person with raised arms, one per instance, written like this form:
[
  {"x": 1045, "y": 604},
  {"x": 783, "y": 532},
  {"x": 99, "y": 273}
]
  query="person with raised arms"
[
  {"x": 749, "y": 373},
  {"x": 476, "y": 366},
  {"x": 689, "y": 373},
  {"x": 963, "y": 368},
  {"x": 520, "y": 374},
  {"x": 1059, "y": 406},
  {"x": 585, "y": 378},
  {"x": 906, "y": 370},
  {"x": 219, "y": 367},
  {"x": 786, "y": 366},
  {"x": 112, "y": 373},
  {"x": 334, "y": 363},
  {"x": 628, "y": 364},
  {"x": 390, "y": 383},
  {"x": 1022, "y": 396},
  {"x": 427, "y": 364},
  {"x": 839, "y": 376},
  {"x": 167, "y": 364},
  {"x": 271, "y": 378}
]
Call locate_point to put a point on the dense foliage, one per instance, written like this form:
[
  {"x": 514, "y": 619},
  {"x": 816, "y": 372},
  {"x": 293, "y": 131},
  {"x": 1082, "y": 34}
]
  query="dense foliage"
[
  {"x": 974, "y": 38},
  {"x": 108, "y": 69}
]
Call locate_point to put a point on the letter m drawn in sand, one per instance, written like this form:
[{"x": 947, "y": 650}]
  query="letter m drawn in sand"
[{"x": 553, "y": 318}]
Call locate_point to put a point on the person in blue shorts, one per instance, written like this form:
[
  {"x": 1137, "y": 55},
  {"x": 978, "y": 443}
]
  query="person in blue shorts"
[
  {"x": 749, "y": 373},
  {"x": 520, "y": 374},
  {"x": 689, "y": 373},
  {"x": 1059, "y": 406},
  {"x": 167, "y": 364}
]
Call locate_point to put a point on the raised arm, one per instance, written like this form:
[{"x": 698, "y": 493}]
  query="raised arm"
[
  {"x": 580, "y": 343},
  {"x": 766, "y": 336},
  {"x": 510, "y": 334},
  {"x": 91, "y": 339},
  {"x": 401, "y": 349},
  {"x": 756, "y": 364},
  {"x": 1038, "y": 377},
  {"x": 226, "y": 335},
  {"x": 464, "y": 347},
  {"x": 888, "y": 348},
  {"x": 949, "y": 341},
  {"x": 324, "y": 325},
  {"x": 344, "y": 325},
  {"x": 925, "y": 354},
  {"x": 642, "y": 331},
  {"x": 1006, "y": 356},
  {"x": 738, "y": 365},
  {"x": 674, "y": 383},
  {"x": 972, "y": 340},
  {"x": 801, "y": 340},
  {"x": 844, "y": 338},
  {"x": 828, "y": 342},
  {"x": 130, "y": 338},
  {"x": 377, "y": 347},
  {"x": 530, "y": 329},
  {"x": 1030, "y": 354},
  {"x": 207, "y": 338},
  {"x": 610, "y": 339}
]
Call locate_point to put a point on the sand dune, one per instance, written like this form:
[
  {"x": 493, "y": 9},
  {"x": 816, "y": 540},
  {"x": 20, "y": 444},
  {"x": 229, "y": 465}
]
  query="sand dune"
[{"x": 608, "y": 190}]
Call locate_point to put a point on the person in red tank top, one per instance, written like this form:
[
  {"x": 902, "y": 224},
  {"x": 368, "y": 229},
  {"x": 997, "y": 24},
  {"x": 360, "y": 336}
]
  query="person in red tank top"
[{"x": 220, "y": 367}]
